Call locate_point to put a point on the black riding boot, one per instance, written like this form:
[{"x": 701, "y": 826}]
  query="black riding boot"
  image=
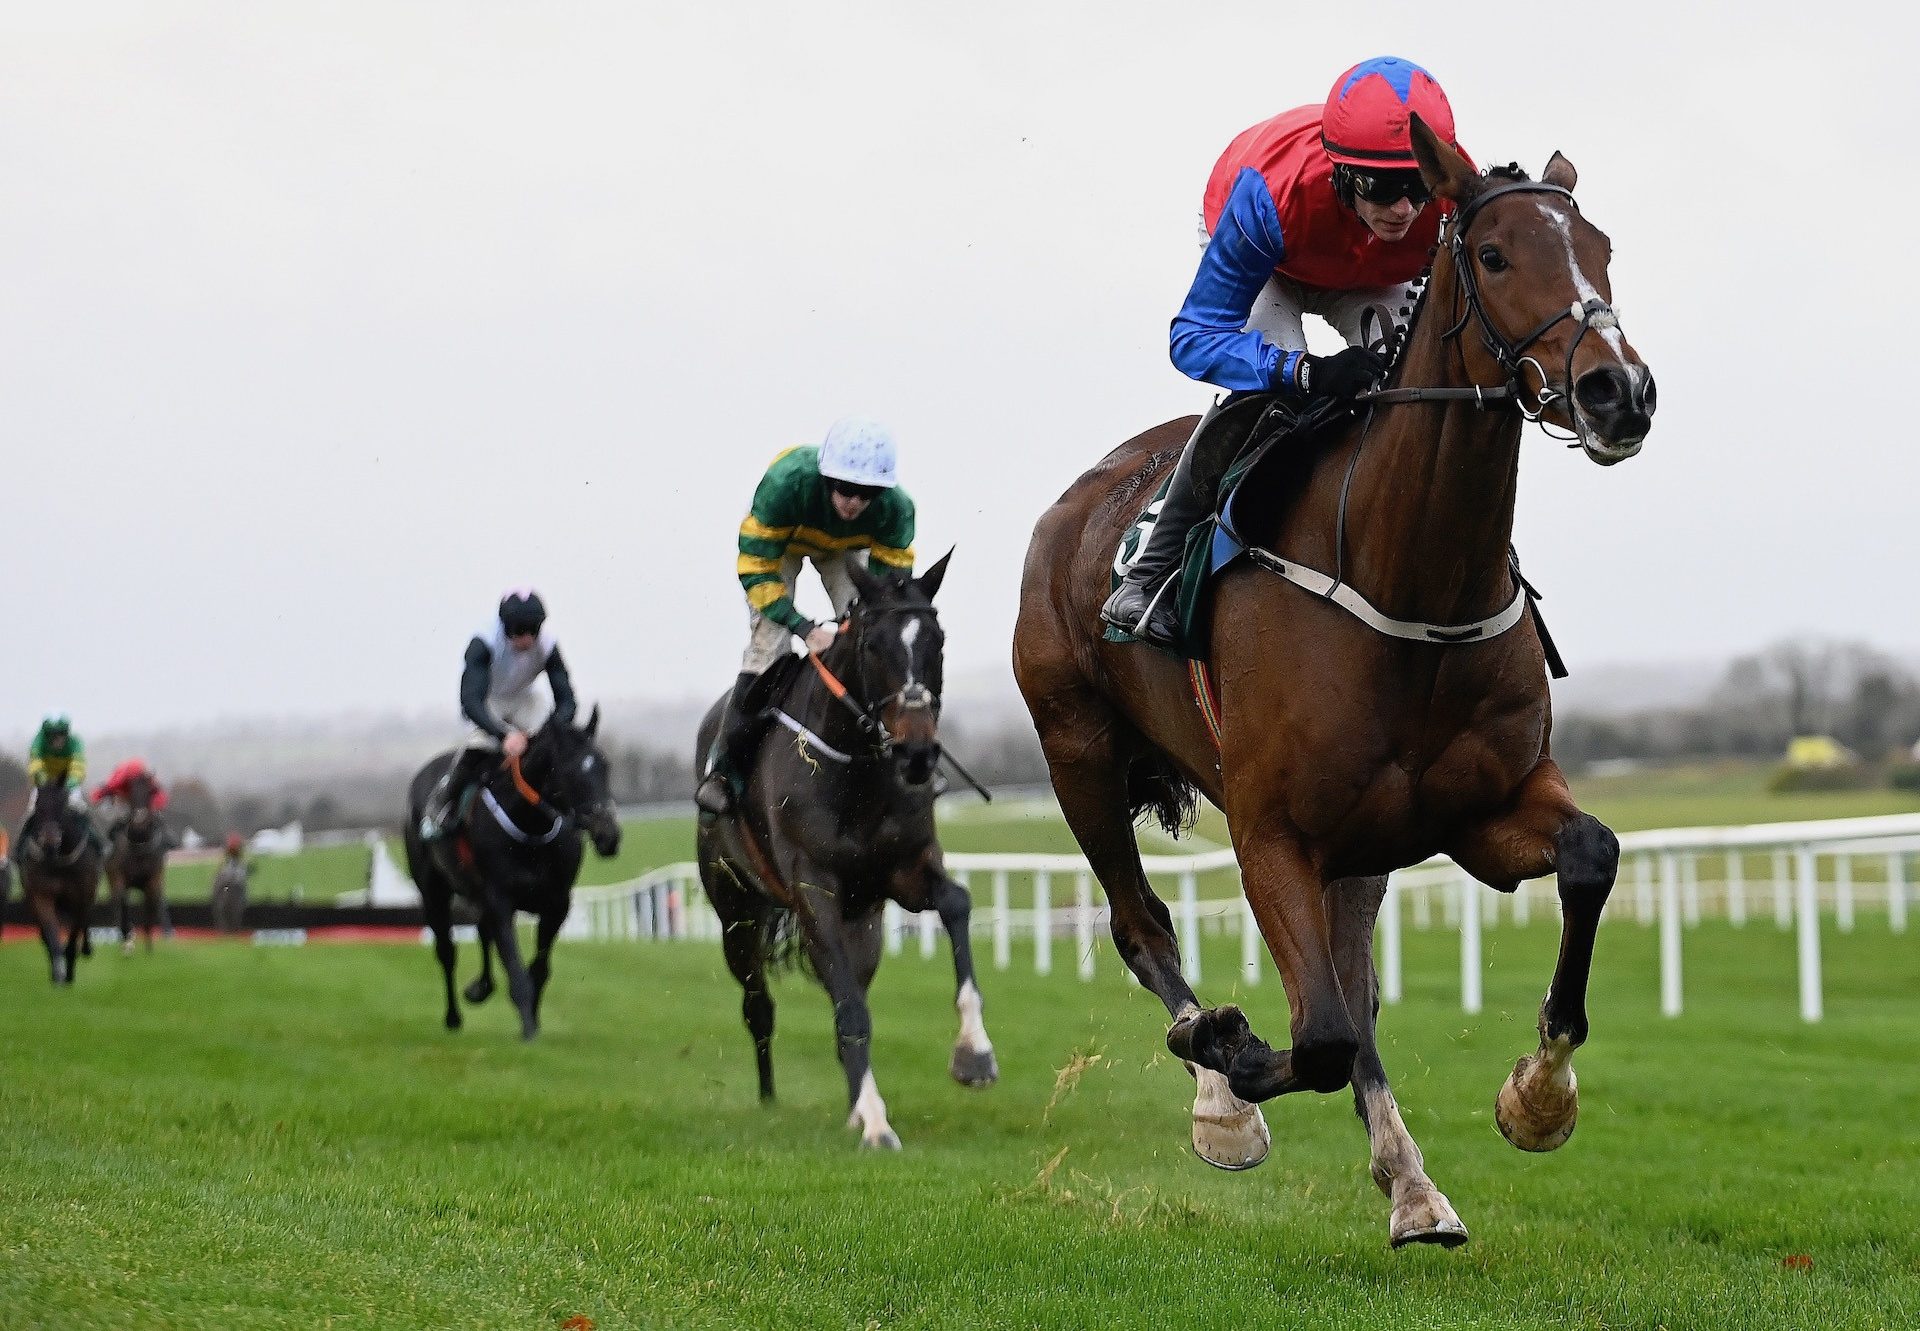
[
  {"x": 727, "y": 762},
  {"x": 469, "y": 765},
  {"x": 1147, "y": 601}
]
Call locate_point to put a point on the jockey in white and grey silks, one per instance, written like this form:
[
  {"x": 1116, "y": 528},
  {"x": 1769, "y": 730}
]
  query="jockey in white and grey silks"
[{"x": 504, "y": 661}]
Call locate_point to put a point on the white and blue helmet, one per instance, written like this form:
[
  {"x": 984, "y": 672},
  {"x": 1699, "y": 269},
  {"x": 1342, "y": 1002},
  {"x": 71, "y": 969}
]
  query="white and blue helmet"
[{"x": 858, "y": 451}]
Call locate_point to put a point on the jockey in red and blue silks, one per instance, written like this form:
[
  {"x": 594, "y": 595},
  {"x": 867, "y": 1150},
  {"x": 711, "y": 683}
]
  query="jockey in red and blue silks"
[{"x": 1320, "y": 210}]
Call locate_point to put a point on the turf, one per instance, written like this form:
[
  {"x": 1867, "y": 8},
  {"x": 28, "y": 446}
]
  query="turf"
[{"x": 221, "y": 1136}]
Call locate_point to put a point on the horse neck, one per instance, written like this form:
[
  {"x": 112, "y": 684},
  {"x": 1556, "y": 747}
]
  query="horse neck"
[{"x": 1430, "y": 514}]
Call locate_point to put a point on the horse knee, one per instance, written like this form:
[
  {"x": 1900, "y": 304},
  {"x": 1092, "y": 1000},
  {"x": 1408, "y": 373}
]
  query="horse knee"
[
  {"x": 1325, "y": 1065},
  {"x": 1586, "y": 857}
]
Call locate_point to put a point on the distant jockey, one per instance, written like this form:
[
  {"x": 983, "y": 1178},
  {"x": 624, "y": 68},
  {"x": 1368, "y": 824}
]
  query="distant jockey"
[
  {"x": 1320, "y": 210},
  {"x": 503, "y": 663},
  {"x": 58, "y": 757},
  {"x": 123, "y": 776},
  {"x": 827, "y": 506}
]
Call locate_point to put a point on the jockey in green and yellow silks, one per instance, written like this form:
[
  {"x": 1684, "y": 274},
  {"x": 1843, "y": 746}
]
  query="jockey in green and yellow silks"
[
  {"x": 823, "y": 506},
  {"x": 58, "y": 757}
]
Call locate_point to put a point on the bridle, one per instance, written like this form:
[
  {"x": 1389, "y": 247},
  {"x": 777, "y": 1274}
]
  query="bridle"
[
  {"x": 558, "y": 821},
  {"x": 868, "y": 713},
  {"x": 33, "y": 842},
  {"x": 1511, "y": 356}
]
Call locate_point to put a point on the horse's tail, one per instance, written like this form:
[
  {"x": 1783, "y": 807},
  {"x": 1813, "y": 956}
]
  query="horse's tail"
[
  {"x": 782, "y": 945},
  {"x": 1154, "y": 783}
]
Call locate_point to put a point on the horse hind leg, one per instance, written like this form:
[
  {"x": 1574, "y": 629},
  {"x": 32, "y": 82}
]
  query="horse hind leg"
[
  {"x": 1421, "y": 1212},
  {"x": 123, "y": 908},
  {"x": 48, "y": 918},
  {"x": 438, "y": 906},
  {"x": 973, "y": 1063},
  {"x": 1088, "y": 772}
]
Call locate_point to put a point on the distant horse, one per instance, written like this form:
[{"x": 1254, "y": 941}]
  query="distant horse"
[
  {"x": 837, "y": 821},
  {"x": 59, "y": 875},
  {"x": 519, "y": 849},
  {"x": 137, "y": 862},
  {"x": 1349, "y": 742}
]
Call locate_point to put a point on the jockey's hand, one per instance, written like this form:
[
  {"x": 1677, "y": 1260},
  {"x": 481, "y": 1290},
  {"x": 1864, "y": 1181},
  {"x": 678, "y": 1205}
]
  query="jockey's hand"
[
  {"x": 1344, "y": 374},
  {"x": 821, "y": 636},
  {"x": 515, "y": 744}
]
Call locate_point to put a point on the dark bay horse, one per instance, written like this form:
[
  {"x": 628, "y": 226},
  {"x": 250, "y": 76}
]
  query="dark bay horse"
[
  {"x": 519, "y": 850},
  {"x": 837, "y": 821},
  {"x": 1345, "y": 751},
  {"x": 137, "y": 862},
  {"x": 59, "y": 875}
]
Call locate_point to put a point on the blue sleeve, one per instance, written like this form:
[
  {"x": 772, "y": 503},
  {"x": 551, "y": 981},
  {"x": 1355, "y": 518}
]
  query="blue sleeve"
[{"x": 1210, "y": 340}]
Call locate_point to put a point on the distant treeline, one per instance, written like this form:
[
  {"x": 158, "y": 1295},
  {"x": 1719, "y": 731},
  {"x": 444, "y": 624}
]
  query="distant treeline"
[
  {"x": 1858, "y": 695},
  {"x": 1850, "y": 691}
]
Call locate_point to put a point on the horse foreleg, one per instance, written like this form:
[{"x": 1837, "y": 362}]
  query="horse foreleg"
[
  {"x": 519, "y": 983},
  {"x": 1421, "y": 1212},
  {"x": 744, "y": 942},
  {"x": 1288, "y": 901},
  {"x": 150, "y": 901},
  {"x": 48, "y": 918},
  {"x": 841, "y": 959},
  {"x": 973, "y": 1062},
  {"x": 481, "y": 989},
  {"x": 1543, "y": 831},
  {"x": 548, "y": 930},
  {"x": 123, "y": 912},
  {"x": 437, "y": 902}
]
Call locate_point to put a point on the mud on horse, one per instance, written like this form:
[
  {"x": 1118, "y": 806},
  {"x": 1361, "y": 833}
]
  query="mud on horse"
[
  {"x": 1347, "y": 749},
  {"x": 137, "y": 861},
  {"x": 837, "y": 821},
  {"x": 60, "y": 876},
  {"x": 519, "y": 850}
]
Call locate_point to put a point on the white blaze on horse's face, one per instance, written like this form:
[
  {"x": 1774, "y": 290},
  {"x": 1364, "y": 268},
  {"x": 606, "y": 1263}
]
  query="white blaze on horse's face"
[{"x": 1622, "y": 373}]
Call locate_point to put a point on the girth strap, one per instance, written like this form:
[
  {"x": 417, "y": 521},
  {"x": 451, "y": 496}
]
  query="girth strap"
[{"x": 1344, "y": 596}]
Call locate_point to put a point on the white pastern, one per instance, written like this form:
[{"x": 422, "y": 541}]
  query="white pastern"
[
  {"x": 1228, "y": 1132},
  {"x": 973, "y": 1031},
  {"x": 870, "y": 1116}
]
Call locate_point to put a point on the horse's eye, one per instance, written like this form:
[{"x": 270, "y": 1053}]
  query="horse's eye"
[{"x": 1492, "y": 259}]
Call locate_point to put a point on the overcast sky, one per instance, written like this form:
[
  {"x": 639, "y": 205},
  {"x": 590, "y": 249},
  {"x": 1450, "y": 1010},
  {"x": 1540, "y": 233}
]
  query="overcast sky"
[{"x": 326, "y": 323}]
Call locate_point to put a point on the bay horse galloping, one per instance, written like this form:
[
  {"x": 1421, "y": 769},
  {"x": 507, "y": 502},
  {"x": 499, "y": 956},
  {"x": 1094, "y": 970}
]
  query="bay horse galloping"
[
  {"x": 59, "y": 876},
  {"x": 137, "y": 861},
  {"x": 1355, "y": 741},
  {"x": 518, "y": 850},
  {"x": 837, "y": 821}
]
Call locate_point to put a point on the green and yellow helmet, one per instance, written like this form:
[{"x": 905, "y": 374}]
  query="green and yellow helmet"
[{"x": 56, "y": 729}]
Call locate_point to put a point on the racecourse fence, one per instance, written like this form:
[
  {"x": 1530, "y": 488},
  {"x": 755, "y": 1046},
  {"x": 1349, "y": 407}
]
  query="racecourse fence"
[{"x": 1797, "y": 875}]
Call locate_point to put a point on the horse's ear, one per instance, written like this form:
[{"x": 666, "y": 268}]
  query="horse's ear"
[
  {"x": 1560, "y": 172},
  {"x": 929, "y": 582},
  {"x": 864, "y": 582},
  {"x": 1446, "y": 172},
  {"x": 593, "y": 722}
]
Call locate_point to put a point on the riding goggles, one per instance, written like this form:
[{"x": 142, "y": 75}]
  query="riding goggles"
[
  {"x": 851, "y": 491},
  {"x": 1388, "y": 187}
]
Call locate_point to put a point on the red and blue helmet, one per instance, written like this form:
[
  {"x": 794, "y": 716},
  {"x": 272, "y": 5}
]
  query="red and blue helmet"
[{"x": 1364, "y": 123}]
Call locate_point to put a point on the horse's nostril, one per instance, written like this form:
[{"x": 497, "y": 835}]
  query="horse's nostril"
[
  {"x": 1648, "y": 396},
  {"x": 1603, "y": 390}
]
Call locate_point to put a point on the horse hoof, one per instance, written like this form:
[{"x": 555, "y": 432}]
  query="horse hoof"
[
  {"x": 1228, "y": 1132},
  {"x": 1536, "y": 1109},
  {"x": 972, "y": 1067},
  {"x": 86, "y": 946},
  {"x": 886, "y": 1139},
  {"x": 1426, "y": 1217},
  {"x": 126, "y": 947},
  {"x": 59, "y": 972},
  {"x": 479, "y": 991},
  {"x": 454, "y": 1021}
]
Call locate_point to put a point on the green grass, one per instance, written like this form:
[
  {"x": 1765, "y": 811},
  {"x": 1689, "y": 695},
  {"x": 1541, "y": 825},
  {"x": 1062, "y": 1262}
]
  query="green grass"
[{"x": 223, "y": 1136}]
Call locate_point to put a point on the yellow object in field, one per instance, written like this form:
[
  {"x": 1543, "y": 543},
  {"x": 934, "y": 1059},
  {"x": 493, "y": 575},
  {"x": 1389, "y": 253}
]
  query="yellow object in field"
[{"x": 1817, "y": 751}]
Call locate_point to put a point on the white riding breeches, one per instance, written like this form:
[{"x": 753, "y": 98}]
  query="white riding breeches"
[
  {"x": 1280, "y": 308},
  {"x": 768, "y": 641}
]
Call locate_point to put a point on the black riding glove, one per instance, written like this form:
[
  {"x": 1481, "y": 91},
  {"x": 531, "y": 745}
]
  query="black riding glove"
[{"x": 1344, "y": 374}]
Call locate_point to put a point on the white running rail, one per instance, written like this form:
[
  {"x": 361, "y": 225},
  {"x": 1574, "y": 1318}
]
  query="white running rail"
[{"x": 1798, "y": 874}]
